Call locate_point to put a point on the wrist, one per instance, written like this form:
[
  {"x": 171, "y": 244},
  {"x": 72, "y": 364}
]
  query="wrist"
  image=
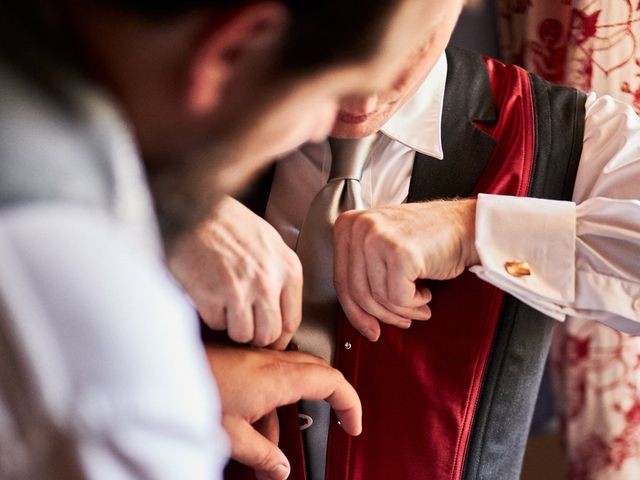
[{"x": 468, "y": 222}]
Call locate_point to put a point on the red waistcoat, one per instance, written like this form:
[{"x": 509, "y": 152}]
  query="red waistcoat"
[{"x": 428, "y": 392}]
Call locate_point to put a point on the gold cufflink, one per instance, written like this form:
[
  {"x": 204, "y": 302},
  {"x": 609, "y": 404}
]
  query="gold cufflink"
[{"x": 518, "y": 269}]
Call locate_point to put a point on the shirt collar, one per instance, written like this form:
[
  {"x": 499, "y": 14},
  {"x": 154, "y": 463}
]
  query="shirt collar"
[{"x": 418, "y": 123}]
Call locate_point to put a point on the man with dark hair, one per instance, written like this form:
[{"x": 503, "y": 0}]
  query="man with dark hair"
[{"x": 207, "y": 93}]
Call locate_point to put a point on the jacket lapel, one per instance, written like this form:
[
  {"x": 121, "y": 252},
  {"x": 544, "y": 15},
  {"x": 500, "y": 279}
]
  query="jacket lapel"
[{"x": 467, "y": 149}]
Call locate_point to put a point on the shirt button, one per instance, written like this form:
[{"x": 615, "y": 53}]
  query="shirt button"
[
  {"x": 347, "y": 346},
  {"x": 517, "y": 269},
  {"x": 636, "y": 305}
]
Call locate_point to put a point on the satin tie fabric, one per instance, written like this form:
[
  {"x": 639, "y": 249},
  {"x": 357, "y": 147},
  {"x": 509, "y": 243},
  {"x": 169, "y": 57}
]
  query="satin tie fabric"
[{"x": 316, "y": 335}]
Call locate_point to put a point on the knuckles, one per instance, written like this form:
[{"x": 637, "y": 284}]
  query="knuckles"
[
  {"x": 240, "y": 335},
  {"x": 359, "y": 292},
  {"x": 213, "y": 316},
  {"x": 380, "y": 297},
  {"x": 265, "y": 339},
  {"x": 373, "y": 230},
  {"x": 397, "y": 298},
  {"x": 292, "y": 266}
]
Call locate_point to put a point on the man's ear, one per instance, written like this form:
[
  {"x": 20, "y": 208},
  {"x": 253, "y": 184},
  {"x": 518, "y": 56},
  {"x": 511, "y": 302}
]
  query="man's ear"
[{"x": 228, "y": 42}]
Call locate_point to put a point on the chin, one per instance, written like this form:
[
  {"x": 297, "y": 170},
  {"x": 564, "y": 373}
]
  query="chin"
[
  {"x": 346, "y": 129},
  {"x": 350, "y": 130}
]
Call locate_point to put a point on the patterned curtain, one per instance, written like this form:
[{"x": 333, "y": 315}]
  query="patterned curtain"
[{"x": 592, "y": 45}]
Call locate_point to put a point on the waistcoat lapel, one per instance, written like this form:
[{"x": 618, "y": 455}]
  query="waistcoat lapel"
[{"x": 467, "y": 149}]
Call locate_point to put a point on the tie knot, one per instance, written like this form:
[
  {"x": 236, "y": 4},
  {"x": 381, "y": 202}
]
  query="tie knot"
[{"x": 349, "y": 156}]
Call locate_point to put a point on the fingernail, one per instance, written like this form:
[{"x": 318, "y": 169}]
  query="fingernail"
[
  {"x": 281, "y": 472},
  {"x": 372, "y": 335}
]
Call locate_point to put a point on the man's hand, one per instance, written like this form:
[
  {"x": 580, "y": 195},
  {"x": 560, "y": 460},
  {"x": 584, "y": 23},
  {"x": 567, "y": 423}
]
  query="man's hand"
[
  {"x": 381, "y": 254},
  {"x": 252, "y": 383},
  {"x": 241, "y": 276}
]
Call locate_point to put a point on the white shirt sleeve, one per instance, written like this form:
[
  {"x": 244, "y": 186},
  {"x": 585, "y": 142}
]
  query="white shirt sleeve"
[
  {"x": 584, "y": 256},
  {"x": 142, "y": 402}
]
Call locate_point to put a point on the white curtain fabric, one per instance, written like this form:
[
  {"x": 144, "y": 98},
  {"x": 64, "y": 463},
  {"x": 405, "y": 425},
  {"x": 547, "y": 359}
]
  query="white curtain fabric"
[{"x": 592, "y": 45}]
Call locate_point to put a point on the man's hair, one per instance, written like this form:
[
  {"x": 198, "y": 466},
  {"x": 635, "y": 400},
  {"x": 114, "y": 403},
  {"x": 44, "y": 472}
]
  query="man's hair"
[{"x": 320, "y": 32}]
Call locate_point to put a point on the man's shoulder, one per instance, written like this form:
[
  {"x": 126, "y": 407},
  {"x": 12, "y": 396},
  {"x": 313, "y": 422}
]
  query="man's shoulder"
[
  {"x": 109, "y": 341},
  {"x": 86, "y": 248},
  {"x": 466, "y": 63},
  {"x": 479, "y": 75},
  {"x": 47, "y": 151},
  {"x": 106, "y": 301}
]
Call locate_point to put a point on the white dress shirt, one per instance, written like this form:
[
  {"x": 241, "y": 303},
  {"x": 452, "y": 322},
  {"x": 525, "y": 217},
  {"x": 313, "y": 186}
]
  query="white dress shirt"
[
  {"x": 114, "y": 351},
  {"x": 109, "y": 343},
  {"x": 584, "y": 255}
]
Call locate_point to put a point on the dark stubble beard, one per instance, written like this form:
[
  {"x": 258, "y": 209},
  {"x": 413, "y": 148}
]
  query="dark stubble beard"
[
  {"x": 226, "y": 161},
  {"x": 182, "y": 197},
  {"x": 185, "y": 192}
]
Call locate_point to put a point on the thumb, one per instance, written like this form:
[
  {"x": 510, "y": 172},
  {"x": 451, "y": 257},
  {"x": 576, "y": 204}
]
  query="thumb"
[
  {"x": 269, "y": 427},
  {"x": 252, "y": 449}
]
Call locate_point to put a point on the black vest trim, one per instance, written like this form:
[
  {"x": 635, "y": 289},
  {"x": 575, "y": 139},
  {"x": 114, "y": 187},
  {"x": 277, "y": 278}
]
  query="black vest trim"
[
  {"x": 467, "y": 149},
  {"x": 523, "y": 336}
]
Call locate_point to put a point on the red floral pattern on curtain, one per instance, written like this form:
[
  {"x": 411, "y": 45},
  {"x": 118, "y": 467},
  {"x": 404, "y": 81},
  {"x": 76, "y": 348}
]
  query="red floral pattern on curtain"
[{"x": 592, "y": 45}]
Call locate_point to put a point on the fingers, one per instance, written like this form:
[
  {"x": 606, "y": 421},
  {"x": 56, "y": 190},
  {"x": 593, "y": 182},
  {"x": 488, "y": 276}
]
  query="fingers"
[
  {"x": 301, "y": 376},
  {"x": 254, "y": 382},
  {"x": 378, "y": 275},
  {"x": 214, "y": 315},
  {"x": 240, "y": 324},
  {"x": 403, "y": 297},
  {"x": 360, "y": 273},
  {"x": 290, "y": 305},
  {"x": 254, "y": 450},
  {"x": 366, "y": 324},
  {"x": 267, "y": 321},
  {"x": 362, "y": 321},
  {"x": 311, "y": 381},
  {"x": 283, "y": 292},
  {"x": 423, "y": 295},
  {"x": 274, "y": 316},
  {"x": 364, "y": 262},
  {"x": 269, "y": 427},
  {"x": 402, "y": 290},
  {"x": 241, "y": 276}
]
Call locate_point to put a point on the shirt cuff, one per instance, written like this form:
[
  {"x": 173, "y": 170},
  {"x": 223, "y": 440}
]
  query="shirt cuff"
[{"x": 527, "y": 247}]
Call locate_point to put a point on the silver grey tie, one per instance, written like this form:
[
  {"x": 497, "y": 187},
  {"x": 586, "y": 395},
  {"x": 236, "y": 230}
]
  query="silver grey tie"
[{"x": 316, "y": 335}]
